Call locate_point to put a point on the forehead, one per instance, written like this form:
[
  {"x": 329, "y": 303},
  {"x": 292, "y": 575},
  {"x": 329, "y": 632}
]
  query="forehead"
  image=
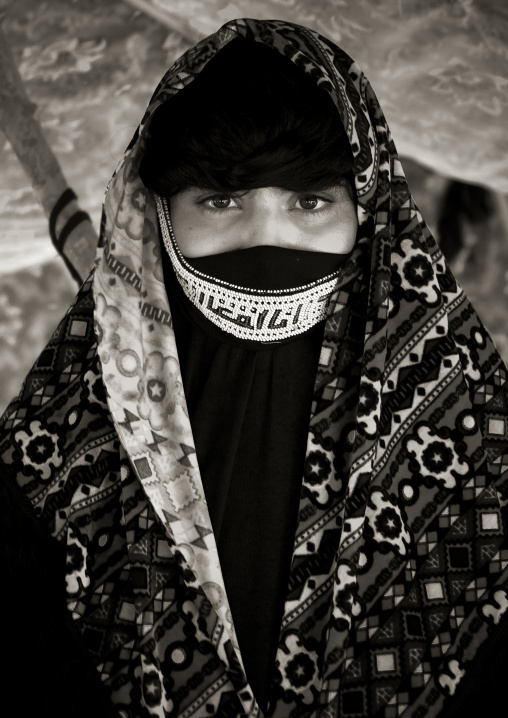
[{"x": 277, "y": 191}]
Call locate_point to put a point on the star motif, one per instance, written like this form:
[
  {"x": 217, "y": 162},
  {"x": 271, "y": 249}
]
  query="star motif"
[
  {"x": 151, "y": 688},
  {"x": 156, "y": 389},
  {"x": 419, "y": 271}
]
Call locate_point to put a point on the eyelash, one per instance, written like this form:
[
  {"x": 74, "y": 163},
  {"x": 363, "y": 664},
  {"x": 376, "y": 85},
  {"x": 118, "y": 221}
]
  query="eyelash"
[{"x": 215, "y": 210}]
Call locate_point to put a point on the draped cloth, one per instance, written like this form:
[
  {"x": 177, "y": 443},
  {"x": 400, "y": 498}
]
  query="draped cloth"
[{"x": 399, "y": 571}]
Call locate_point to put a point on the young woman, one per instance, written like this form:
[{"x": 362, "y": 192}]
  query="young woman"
[{"x": 277, "y": 464}]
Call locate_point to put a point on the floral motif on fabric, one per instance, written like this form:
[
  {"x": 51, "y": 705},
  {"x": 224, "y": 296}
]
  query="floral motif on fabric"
[
  {"x": 436, "y": 458},
  {"x": 414, "y": 271},
  {"x": 388, "y": 525},
  {"x": 40, "y": 449}
]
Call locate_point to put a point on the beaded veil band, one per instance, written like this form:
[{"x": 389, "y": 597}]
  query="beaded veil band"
[{"x": 255, "y": 314}]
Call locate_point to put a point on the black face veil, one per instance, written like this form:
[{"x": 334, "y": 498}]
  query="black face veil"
[{"x": 399, "y": 566}]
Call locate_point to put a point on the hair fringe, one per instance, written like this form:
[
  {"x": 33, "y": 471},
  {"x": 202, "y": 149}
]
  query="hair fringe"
[{"x": 250, "y": 119}]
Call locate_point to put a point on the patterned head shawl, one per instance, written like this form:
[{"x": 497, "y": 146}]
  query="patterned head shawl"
[{"x": 400, "y": 565}]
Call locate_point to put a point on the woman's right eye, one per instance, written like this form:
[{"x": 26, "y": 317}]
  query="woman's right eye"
[{"x": 222, "y": 201}]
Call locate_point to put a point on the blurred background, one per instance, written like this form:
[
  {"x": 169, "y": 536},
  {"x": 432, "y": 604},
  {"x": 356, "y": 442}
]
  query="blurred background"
[{"x": 76, "y": 76}]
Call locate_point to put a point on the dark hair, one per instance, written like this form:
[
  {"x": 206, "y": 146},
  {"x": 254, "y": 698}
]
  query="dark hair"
[{"x": 250, "y": 119}]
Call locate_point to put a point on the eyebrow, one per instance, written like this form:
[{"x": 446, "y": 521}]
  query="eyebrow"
[{"x": 206, "y": 190}]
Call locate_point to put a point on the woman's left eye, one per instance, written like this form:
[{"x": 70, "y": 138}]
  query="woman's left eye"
[
  {"x": 312, "y": 202},
  {"x": 220, "y": 201}
]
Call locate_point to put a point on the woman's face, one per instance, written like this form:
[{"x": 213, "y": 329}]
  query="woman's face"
[{"x": 207, "y": 222}]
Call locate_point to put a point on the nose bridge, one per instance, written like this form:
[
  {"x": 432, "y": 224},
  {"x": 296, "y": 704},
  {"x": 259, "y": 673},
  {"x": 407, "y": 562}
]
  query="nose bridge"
[{"x": 268, "y": 222}]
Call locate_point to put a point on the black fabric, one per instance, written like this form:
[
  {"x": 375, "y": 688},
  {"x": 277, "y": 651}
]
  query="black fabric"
[
  {"x": 249, "y": 405},
  {"x": 46, "y": 669},
  {"x": 482, "y": 691},
  {"x": 269, "y": 267}
]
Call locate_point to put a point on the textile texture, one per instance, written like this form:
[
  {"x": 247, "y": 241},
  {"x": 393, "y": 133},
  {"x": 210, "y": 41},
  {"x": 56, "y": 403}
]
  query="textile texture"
[{"x": 399, "y": 569}]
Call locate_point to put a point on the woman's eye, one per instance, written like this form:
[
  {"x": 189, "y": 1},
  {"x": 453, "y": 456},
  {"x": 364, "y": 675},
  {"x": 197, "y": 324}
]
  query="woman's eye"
[
  {"x": 312, "y": 202},
  {"x": 220, "y": 202}
]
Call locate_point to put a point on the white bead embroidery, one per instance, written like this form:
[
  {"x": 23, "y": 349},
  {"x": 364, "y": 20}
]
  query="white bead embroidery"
[{"x": 255, "y": 314}]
